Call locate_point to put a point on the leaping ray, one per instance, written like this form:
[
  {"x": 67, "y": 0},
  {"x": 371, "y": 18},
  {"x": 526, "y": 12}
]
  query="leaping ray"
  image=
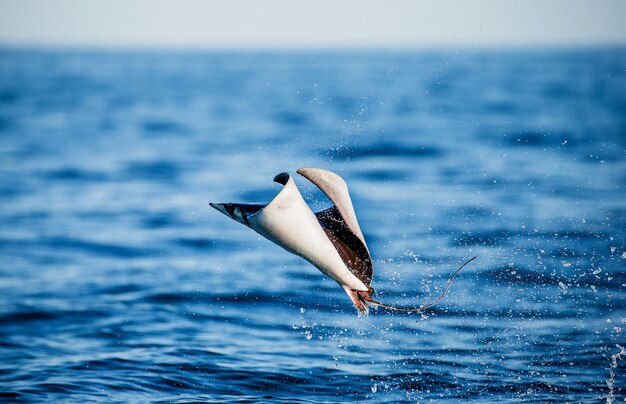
[{"x": 331, "y": 240}]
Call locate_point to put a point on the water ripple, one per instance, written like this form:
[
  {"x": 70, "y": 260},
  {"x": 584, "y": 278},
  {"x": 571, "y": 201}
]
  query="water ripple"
[{"x": 119, "y": 283}]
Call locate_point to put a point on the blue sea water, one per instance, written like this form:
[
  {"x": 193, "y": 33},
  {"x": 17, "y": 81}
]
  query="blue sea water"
[{"x": 118, "y": 282}]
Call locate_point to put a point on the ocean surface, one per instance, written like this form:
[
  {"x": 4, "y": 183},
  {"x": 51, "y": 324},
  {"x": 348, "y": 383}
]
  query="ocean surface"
[{"x": 119, "y": 283}]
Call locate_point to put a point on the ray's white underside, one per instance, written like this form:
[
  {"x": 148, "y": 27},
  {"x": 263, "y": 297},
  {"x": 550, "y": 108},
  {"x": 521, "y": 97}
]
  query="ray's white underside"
[{"x": 289, "y": 222}]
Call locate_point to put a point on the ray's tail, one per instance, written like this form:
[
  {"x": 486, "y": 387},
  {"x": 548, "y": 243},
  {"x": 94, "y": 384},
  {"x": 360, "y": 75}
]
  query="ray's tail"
[{"x": 365, "y": 296}]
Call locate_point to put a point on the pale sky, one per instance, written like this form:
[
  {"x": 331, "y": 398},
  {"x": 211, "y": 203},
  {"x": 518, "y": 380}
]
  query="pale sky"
[{"x": 299, "y": 24}]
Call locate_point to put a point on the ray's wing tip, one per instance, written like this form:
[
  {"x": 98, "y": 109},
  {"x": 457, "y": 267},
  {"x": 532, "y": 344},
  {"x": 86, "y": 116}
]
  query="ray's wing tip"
[
  {"x": 319, "y": 176},
  {"x": 304, "y": 171},
  {"x": 220, "y": 207},
  {"x": 282, "y": 178}
]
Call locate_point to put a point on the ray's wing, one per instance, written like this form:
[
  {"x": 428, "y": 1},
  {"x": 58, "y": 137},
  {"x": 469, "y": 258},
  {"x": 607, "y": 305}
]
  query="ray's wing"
[
  {"x": 336, "y": 190},
  {"x": 350, "y": 248},
  {"x": 340, "y": 224}
]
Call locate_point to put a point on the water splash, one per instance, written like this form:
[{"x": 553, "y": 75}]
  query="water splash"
[{"x": 611, "y": 382}]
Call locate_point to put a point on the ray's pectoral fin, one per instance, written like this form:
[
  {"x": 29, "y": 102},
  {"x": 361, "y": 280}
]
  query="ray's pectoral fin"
[
  {"x": 340, "y": 224},
  {"x": 336, "y": 190},
  {"x": 351, "y": 249},
  {"x": 239, "y": 212}
]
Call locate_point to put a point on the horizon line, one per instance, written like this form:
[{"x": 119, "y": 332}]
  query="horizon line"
[{"x": 133, "y": 47}]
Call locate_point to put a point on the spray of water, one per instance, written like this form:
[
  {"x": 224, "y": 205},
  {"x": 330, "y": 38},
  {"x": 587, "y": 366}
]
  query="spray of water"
[{"x": 611, "y": 382}]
